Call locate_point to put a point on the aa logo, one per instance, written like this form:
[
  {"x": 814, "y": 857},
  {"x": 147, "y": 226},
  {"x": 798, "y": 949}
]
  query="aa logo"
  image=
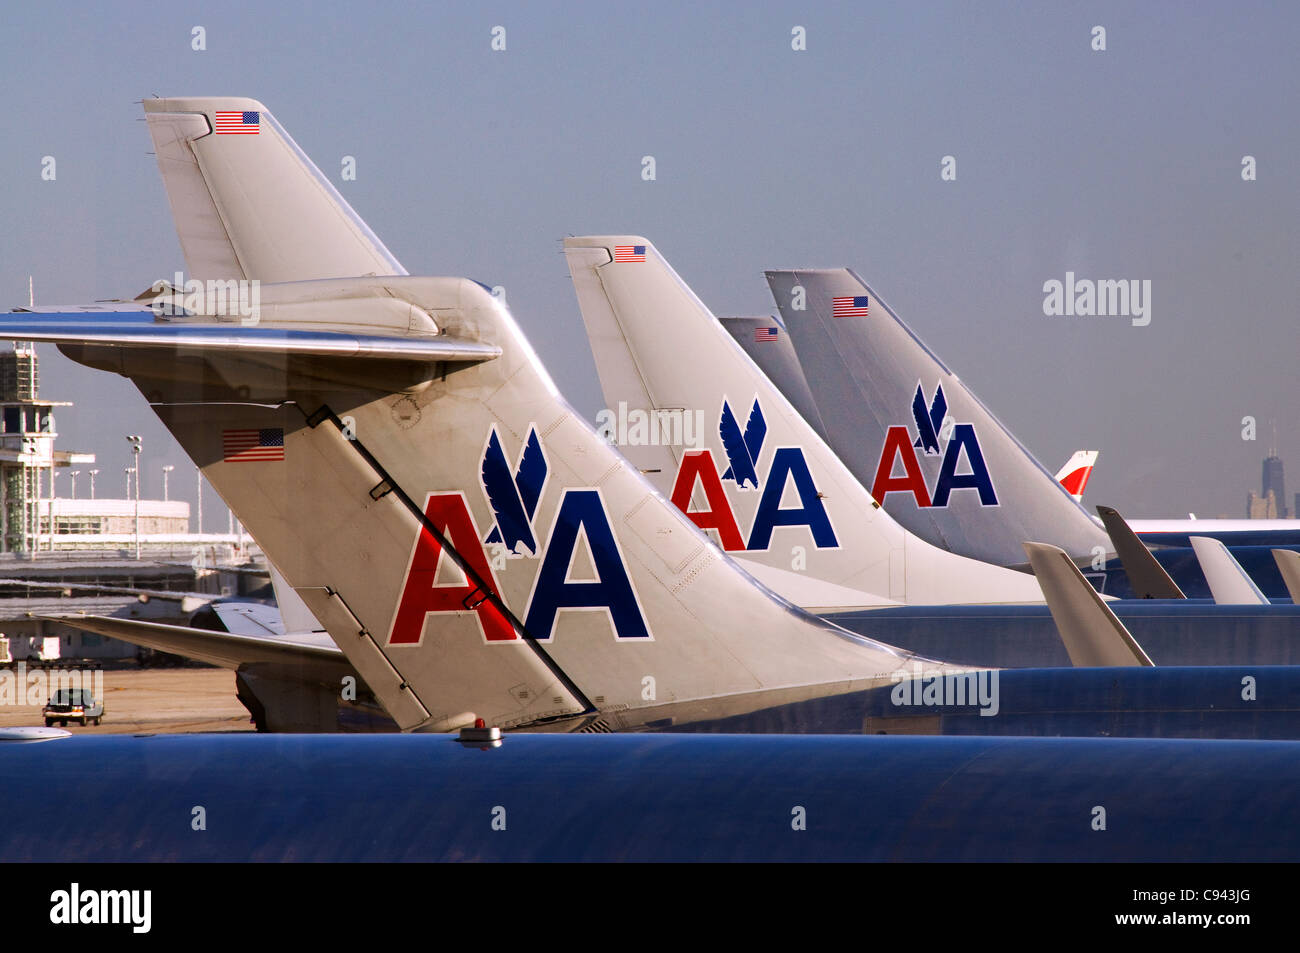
[
  {"x": 787, "y": 478},
  {"x": 936, "y": 436},
  {"x": 581, "y": 565}
]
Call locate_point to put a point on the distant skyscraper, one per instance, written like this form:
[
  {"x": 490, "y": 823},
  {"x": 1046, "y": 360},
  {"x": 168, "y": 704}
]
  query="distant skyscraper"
[
  {"x": 1272, "y": 480},
  {"x": 1261, "y": 507}
]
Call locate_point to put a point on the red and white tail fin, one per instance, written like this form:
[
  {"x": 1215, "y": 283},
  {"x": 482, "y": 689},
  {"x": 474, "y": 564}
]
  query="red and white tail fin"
[{"x": 1074, "y": 475}]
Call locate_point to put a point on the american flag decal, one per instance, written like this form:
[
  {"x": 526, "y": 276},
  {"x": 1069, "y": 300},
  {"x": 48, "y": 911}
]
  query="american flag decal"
[
  {"x": 850, "y": 307},
  {"x": 765, "y": 334},
  {"x": 232, "y": 122},
  {"x": 629, "y": 253},
  {"x": 252, "y": 446}
]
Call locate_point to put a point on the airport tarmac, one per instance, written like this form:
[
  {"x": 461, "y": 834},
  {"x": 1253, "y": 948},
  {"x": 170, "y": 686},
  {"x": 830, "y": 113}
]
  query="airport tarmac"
[{"x": 155, "y": 700}]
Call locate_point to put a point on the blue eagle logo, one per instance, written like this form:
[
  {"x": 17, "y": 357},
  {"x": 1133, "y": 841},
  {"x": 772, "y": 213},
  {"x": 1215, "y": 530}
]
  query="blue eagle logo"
[
  {"x": 929, "y": 422},
  {"x": 742, "y": 448},
  {"x": 513, "y": 494}
]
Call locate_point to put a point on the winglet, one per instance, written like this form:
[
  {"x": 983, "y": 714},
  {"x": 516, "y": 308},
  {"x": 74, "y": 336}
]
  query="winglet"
[
  {"x": 1229, "y": 583},
  {"x": 1146, "y": 576},
  {"x": 1288, "y": 564},
  {"x": 1093, "y": 636}
]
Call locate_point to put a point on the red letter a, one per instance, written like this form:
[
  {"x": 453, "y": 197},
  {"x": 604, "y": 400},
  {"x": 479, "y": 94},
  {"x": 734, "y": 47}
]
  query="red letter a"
[
  {"x": 422, "y": 596},
  {"x": 898, "y": 443},
  {"x": 698, "y": 465}
]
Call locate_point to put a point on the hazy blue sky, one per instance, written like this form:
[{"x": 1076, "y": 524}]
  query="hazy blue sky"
[{"x": 1117, "y": 164}]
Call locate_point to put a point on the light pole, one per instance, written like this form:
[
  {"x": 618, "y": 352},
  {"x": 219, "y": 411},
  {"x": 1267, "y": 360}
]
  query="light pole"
[
  {"x": 72, "y": 474},
  {"x": 166, "y": 470},
  {"x": 92, "y": 482},
  {"x": 49, "y": 508},
  {"x": 136, "y": 440},
  {"x": 198, "y": 485}
]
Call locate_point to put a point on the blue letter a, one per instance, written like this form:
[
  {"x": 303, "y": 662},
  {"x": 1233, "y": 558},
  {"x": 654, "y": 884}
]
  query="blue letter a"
[
  {"x": 582, "y": 510},
  {"x": 789, "y": 462},
  {"x": 963, "y": 435}
]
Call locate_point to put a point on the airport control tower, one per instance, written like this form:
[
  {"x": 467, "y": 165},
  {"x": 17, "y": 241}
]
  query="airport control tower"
[{"x": 27, "y": 453}]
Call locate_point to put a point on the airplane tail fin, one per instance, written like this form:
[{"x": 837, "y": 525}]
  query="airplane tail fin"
[
  {"x": 1093, "y": 635},
  {"x": 767, "y": 343},
  {"x": 1229, "y": 583},
  {"x": 1146, "y": 576},
  {"x": 906, "y": 426},
  {"x": 756, "y": 475},
  {"x": 248, "y": 203},
  {"x": 1288, "y": 564},
  {"x": 1074, "y": 475},
  {"x": 475, "y": 548}
]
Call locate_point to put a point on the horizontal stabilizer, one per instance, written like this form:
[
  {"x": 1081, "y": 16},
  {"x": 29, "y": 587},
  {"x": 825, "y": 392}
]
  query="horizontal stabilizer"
[
  {"x": 216, "y": 648},
  {"x": 1229, "y": 583},
  {"x": 1146, "y": 576},
  {"x": 1093, "y": 636},
  {"x": 141, "y": 329},
  {"x": 1288, "y": 564}
]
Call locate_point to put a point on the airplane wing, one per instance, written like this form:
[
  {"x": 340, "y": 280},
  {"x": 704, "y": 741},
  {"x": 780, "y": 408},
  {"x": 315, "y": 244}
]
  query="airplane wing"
[
  {"x": 189, "y": 601},
  {"x": 216, "y": 648},
  {"x": 143, "y": 329}
]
